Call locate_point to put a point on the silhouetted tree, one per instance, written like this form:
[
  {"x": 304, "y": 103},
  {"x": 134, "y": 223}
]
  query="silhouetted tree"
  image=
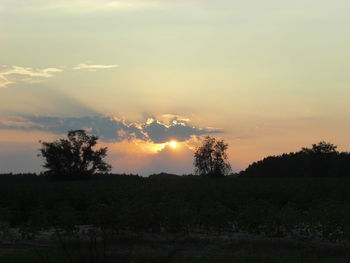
[
  {"x": 74, "y": 157},
  {"x": 321, "y": 160},
  {"x": 211, "y": 158},
  {"x": 321, "y": 148}
]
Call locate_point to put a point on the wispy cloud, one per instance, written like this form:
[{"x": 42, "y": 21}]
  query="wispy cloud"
[
  {"x": 81, "y": 6},
  {"x": 12, "y": 74},
  {"x": 110, "y": 129},
  {"x": 93, "y": 67},
  {"x": 104, "y": 4}
]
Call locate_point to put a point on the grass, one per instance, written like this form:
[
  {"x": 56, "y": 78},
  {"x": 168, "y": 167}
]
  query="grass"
[
  {"x": 193, "y": 250},
  {"x": 141, "y": 205}
]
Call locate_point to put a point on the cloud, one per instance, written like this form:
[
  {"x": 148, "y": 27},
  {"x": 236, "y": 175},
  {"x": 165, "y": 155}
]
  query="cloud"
[
  {"x": 12, "y": 74},
  {"x": 80, "y": 6},
  {"x": 170, "y": 161},
  {"x": 177, "y": 130},
  {"x": 93, "y": 67},
  {"x": 100, "y": 5},
  {"x": 109, "y": 129},
  {"x": 133, "y": 147},
  {"x": 139, "y": 157},
  {"x": 4, "y": 81}
]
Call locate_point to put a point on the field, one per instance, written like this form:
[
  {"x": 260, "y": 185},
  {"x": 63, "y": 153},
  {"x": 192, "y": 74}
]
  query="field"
[{"x": 184, "y": 219}]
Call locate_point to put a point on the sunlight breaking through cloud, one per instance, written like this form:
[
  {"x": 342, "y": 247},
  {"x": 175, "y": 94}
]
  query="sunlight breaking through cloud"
[{"x": 110, "y": 129}]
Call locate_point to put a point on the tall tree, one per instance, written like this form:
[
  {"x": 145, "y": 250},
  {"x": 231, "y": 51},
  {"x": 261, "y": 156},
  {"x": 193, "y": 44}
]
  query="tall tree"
[
  {"x": 320, "y": 148},
  {"x": 74, "y": 157},
  {"x": 211, "y": 158}
]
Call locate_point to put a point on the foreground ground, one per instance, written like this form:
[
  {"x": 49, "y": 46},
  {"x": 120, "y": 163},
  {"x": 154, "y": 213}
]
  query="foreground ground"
[
  {"x": 155, "y": 249},
  {"x": 130, "y": 219}
]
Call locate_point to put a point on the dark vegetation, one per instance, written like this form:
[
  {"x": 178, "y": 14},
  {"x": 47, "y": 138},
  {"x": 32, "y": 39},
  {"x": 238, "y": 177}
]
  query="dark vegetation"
[
  {"x": 305, "y": 208},
  {"x": 211, "y": 159},
  {"x": 94, "y": 216},
  {"x": 321, "y": 160},
  {"x": 206, "y": 217},
  {"x": 74, "y": 157}
]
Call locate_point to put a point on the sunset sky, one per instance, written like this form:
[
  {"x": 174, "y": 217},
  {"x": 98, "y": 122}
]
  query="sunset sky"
[{"x": 266, "y": 76}]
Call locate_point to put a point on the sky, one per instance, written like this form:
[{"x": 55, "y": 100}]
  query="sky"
[{"x": 268, "y": 77}]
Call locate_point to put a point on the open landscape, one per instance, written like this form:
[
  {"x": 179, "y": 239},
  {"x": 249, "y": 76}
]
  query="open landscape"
[
  {"x": 174, "y": 131},
  {"x": 126, "y": 218}
]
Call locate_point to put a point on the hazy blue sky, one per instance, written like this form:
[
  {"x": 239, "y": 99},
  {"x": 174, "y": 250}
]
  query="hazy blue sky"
[{"x": 267, "y": 76}]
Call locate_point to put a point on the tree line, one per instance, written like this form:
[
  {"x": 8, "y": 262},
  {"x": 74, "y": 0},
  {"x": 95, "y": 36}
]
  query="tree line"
[
  {"x": 321, "y": 160},
  {"x": 76, "y": 157}
]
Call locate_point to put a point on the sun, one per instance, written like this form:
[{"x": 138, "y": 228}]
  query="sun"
[{"x": 172, "y": 144}]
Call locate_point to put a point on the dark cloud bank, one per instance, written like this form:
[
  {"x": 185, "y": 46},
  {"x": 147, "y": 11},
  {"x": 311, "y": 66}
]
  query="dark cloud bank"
[{"x": 109, "y": 129}]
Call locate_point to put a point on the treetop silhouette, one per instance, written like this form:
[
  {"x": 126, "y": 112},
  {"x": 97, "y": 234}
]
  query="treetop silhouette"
[
  {"x": 321, "y": 160},
  {"x": 211, "y": 158},
  {"x": 74, "y": 157}
]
